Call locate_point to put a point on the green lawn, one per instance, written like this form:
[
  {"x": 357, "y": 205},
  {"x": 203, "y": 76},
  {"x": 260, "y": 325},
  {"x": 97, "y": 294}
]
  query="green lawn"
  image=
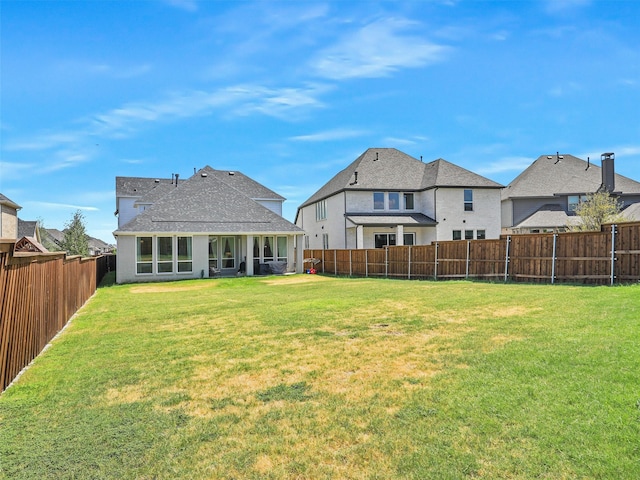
[{"x": 328, "y": 378}]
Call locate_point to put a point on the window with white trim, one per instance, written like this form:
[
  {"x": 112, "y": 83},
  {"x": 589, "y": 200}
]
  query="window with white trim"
[
  {"x": 394, "y": 201},
  {"x": 468, "y": 200},
  {"x": 325, "y": 241},
  {"x": 144, "y": 255},
  {"x": 213, "y": 253},
  {"x": 185, "y": 254},
  {"x": 321, "y": 210},
  {"x": 409, "y": 238},
  {"x": 281, "y": 249},
  {"x": 574, "y": 201},
  {"x": 228, "y": 252},
  {"x": 457, "y": 234},
  {"x": 382, "y": 240},
  {"x": 164, "y": 260},
  {"x": 481, "y": 234},
  {"x": 378, "y": 200},
  {"x": 408, "y": 201}
]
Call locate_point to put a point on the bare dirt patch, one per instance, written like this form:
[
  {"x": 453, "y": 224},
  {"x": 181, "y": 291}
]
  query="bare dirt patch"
[{"x": 295, "y": 279}]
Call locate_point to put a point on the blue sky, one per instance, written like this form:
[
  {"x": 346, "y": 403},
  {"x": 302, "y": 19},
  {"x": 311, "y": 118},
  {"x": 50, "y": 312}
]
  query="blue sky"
[{"x": 291, "y": 92}]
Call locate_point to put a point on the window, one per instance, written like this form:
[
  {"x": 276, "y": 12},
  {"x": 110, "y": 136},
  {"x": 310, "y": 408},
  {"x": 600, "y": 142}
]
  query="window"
[
  {"x": 267, "y": 249},
  {"x": 213, "y": 252},
  {"x": 144, "y": 255},
  {"x": 228, "y": 252},
  {"x": 394, "y": 201},
  {"x": 384, "y": 239},
  {"x": 457, "y": 235},
  {"x": 281, "y": 249},
  {"x": 575, "y": 200},
  {"x": 468, "y": 200},
  {"x": 165, "y": 254},
  {"x": 325, "y": 241},
  {"x": 185, "y": 255},
  {"x": 378, "y": 200},
  {"x": 468, "y": 234},
  {"x": 409, "y": 238},
  {"x": 480, "y": 235},
  {"x": 408, "y": 201},
  {"x": 306, "y": 242},
  {"x": 321, "y": 210}
]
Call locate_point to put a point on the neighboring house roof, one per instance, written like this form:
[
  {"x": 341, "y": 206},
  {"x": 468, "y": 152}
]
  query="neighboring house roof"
[
  {"x": 390, "y": 169},
  {"x": 8, "y": 202},
  {"x": 392, "y": 219},
  {"x": 549, "y": 176},
  {"x": 55, "y": 235},
  {"x": 632, "y": 212},
  {"x": 548, "y": 216},
  {"x": 27, "y": 228},
  {"x": 206, "y": 203}
]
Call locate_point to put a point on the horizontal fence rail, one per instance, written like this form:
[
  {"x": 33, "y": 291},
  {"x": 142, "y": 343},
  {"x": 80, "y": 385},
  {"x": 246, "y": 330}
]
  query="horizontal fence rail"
[
  {"x": 602, "y": 258},
  {"x": 39, "y": 294}
]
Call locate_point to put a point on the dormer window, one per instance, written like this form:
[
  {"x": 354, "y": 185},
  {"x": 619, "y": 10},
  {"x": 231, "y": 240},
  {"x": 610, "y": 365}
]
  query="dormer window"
[{"x": 408, "y": 201}]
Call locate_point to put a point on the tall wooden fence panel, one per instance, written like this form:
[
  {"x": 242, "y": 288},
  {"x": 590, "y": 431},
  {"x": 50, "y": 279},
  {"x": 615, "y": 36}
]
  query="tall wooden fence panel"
[
  {"x": 606, "y": 257},
  {"x": 39, "y": 293}
]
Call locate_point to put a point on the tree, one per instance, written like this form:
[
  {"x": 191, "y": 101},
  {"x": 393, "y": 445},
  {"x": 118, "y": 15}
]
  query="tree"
[
  {"x": 597, "y": 209},
  {"x": 76, "y": 240}
]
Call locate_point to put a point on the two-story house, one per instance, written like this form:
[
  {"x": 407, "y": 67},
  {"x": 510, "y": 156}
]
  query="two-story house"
[
  {"x": 386, "y": 197},
  {"x": 214, "y": 223},
  {"x": 544, "y": 197},
  {"x": 8, "y": 218}
]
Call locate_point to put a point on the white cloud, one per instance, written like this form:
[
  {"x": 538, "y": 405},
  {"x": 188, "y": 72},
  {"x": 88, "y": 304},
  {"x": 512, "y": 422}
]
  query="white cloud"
[
  {"x": 54, "y": 206},
  {"x": 328, "y": 135},
  {"x": 561, "y": 6},
  {"x": 187, "y": 5},
  {"x": 506, "y": 164},
  {"x": 377, "y": 50}
]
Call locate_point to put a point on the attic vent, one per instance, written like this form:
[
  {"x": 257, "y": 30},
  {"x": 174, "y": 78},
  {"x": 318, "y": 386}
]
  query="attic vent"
[
  {"x": 157, "y": 180},
  {"x": 203, "y": 174},
  {"x": 232, "y": 173}
]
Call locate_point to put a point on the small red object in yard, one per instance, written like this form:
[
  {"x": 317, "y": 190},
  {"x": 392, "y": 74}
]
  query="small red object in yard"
[{"x": 313, "y": 270}]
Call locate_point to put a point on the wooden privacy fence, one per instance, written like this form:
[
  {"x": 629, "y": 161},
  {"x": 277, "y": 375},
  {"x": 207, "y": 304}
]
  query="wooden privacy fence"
[
  {"x": 606, "y": 257},
  {"x": 40, "y": 292}
]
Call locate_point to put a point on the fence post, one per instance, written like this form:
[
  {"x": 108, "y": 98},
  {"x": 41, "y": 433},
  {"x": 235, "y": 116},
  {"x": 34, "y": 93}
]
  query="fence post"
[
  {"x": 506, "y": 259},
  {"x": 466, "y": 274},
  {"x": 366, "y": 263},
  {"x": 613, "y": 252},
  {"x": 409, "y": 265},
  {"x": 350, "y": 268},
  {"x": 553, "y": 260},
  {"x": 435, "y": 265},
  {"x": 386, "y": 262}
]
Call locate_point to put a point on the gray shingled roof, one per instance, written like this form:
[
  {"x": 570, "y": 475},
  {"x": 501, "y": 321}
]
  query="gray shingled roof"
[
  {"x": 632, "y": 212},
  {"x": 137, "y": 186},
  {"x": 389, "y": 169},
  {"x": 206, "y": 204},
  {"x": 27, "y": 228},
  {"x": 409, "y": 219},
  {"x": 8, "y": 202},
  {"x": 547, "y": 177},
  {"x": 549, "y": 216},
  {"x": 246, "y": 185}
]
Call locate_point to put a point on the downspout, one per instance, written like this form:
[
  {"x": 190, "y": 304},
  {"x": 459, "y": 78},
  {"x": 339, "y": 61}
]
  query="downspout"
[{"x": 345, "y": 221}]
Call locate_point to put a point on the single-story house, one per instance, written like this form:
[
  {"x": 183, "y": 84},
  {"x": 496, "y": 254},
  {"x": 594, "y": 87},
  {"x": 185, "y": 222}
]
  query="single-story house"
[{"x": 214, "y": 223}]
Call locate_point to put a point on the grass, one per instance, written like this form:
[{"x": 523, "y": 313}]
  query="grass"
[{"x": 314, "y": 377}]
